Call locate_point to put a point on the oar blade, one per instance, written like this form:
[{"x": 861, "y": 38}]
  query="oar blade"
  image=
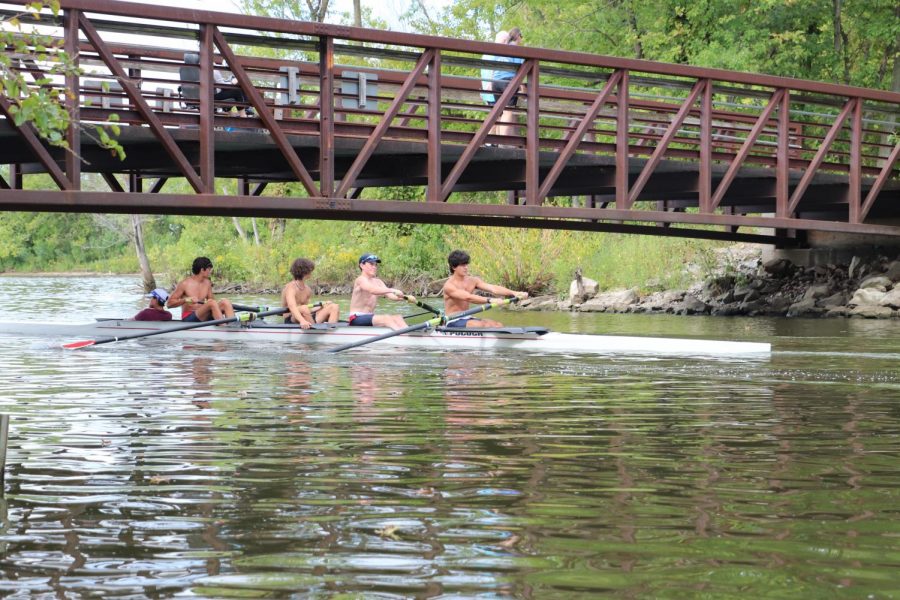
[{"x": 81, "y": 344}]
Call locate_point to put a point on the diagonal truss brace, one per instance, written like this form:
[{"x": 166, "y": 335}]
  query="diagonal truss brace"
[
  {"x": 265, "y": 115},
  {"x": 560, "y": 164},
  {"x": 879, "y": 183},
  {"x": 26, "y": 130},
  {"x": 820, "y": 155},
  {"x": 143, "y": 108},
  {"x": 478, "y": 139},
  {"x": 734, "y": 167},
  {"x": 393, "y": 110},
  {"x": 660, "y": 150}
]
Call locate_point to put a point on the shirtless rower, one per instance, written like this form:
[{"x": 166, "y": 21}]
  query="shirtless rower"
[
  {"x": 366, "y": 290},
  {"x": 296, "y": 294},
  {"x": 195, "y": 296},
  {"x": 458, "y": 292}
]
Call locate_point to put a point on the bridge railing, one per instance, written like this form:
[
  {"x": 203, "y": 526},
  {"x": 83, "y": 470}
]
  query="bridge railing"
[{"x": 335, "y": 84}]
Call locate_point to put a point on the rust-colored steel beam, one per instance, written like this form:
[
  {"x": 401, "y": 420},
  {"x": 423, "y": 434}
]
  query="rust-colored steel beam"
[
  {"x": 481, "y": 134},
  {"x": 433, "y": 168},
  {"x": 704, "y": 182},
  {"x": 72, "y": 101},
  {"x": 28, "y": 135},
  {"x": 532, "y": 130},
  {"x": 265, "y": 115},
  {"x": 854, "y": 192},
  {"x": 349, "y": 209},
  {"x": 140, "y": 104},
  {"x": 207, "y": 94},
  {"x": 326, "y": 116},
  {"x": 879, "y": 183},
  {"x": 741, "y": 156},
  {"x": 820, "y": 155},
  {"x": 782, "y": 158},
  {"x": 576, "y": 138},
  {"x": 622, "y": 143},
  {"x": 369, "y": 148},
  {"x": 663, "y": 144}
]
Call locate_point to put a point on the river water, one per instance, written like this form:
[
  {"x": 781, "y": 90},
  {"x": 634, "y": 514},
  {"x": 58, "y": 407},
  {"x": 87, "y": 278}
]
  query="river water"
[{"x": 161, "y": 468}]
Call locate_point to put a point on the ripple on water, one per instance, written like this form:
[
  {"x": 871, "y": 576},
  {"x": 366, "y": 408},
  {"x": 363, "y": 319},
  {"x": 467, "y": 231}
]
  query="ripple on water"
[{"x": 168, "y": 468}]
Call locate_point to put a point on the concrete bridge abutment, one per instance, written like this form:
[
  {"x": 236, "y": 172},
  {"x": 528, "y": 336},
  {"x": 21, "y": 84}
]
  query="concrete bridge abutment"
[{"x": 824, "y": 247}]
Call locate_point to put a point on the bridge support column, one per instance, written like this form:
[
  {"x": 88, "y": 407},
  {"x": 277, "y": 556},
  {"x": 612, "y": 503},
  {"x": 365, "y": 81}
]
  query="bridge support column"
[{"x": 827, "y": 247}]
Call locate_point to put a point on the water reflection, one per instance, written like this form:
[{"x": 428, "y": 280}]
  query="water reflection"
[{"x": 161, "y": 468}]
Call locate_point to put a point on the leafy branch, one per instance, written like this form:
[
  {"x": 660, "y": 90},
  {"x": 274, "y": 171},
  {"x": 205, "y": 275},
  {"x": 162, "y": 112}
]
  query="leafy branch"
[{"x": 36, "y": 100}]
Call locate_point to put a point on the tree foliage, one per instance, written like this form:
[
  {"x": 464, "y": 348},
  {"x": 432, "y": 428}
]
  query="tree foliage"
[
  {"x": 39, "y": 100},
  {"x": 841, "y": 41}
]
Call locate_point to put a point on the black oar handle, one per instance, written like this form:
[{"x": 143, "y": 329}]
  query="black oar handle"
[
  {"x": 245, "y": 308},
  {"x": 421, "y": 304}
]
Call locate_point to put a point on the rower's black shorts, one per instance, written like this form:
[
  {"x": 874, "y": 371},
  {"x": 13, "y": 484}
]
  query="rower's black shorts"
[
  {"x": 360, "y": 320},
  {"x": 459, "y": 323}
]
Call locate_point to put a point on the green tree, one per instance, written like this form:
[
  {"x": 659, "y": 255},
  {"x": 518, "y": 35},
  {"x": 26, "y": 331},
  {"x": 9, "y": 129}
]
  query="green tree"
[
  {"x": 39, "y": 99},
  {"x": 842, "y": 41}
]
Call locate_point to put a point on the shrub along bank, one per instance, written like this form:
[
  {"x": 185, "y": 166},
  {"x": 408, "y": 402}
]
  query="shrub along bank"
[{"x": 538, "y": 261}]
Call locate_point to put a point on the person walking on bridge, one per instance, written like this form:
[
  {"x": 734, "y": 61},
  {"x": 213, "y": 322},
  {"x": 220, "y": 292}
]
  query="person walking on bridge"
[
  {"x": 487, "y": 77},
  {"x": 500, "y": 81}
]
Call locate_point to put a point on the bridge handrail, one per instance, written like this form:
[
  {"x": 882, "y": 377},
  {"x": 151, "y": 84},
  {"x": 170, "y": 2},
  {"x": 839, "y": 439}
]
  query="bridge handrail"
[{"x": 182, "y": 15}]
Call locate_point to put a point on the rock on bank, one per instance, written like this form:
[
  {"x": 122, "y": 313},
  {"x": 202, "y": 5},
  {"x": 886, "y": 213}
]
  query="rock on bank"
[{"x": 864, "y": 288}]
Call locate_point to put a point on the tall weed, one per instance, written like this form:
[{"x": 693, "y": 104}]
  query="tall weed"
[{"x": 520, "y": 259}]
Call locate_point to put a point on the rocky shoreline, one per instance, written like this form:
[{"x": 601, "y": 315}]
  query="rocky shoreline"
[{"x": 864, "y": 288}]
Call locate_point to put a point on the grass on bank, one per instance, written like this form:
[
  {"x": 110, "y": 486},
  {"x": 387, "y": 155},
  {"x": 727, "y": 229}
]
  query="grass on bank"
[{"x": 539, "y": 261}]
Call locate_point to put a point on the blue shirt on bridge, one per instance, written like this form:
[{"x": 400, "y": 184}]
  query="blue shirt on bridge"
[{"x": 489, "y": 75}]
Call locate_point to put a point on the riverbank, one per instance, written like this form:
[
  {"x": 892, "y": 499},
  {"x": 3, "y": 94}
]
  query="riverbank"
[
  {"x": 746, "y": 285},
  {"x": 733, "y": 281}
]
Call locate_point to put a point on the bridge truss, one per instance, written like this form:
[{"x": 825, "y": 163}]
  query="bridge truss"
[{"x": 598, "y": 143}]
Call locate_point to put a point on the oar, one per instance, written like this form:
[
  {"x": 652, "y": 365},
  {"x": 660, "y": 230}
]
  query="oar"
[
  {"x": 425, "y": 324},
  {"x": 239, "y": 307},
  {"x": 257, "y": 309},
  {"x": 245, "y": 308},
  {"x": 185, "y": 327},
  {"x": 414, "y": 315},
  {"x": 421, "y": 304}
]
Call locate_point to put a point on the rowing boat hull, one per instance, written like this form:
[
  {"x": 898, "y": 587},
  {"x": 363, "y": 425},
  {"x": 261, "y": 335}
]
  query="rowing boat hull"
[{"x": 532, "y": 339}]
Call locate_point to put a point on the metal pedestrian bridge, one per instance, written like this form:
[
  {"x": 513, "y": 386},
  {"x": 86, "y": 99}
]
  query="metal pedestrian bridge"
[{"x": 593, "y": 143}]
